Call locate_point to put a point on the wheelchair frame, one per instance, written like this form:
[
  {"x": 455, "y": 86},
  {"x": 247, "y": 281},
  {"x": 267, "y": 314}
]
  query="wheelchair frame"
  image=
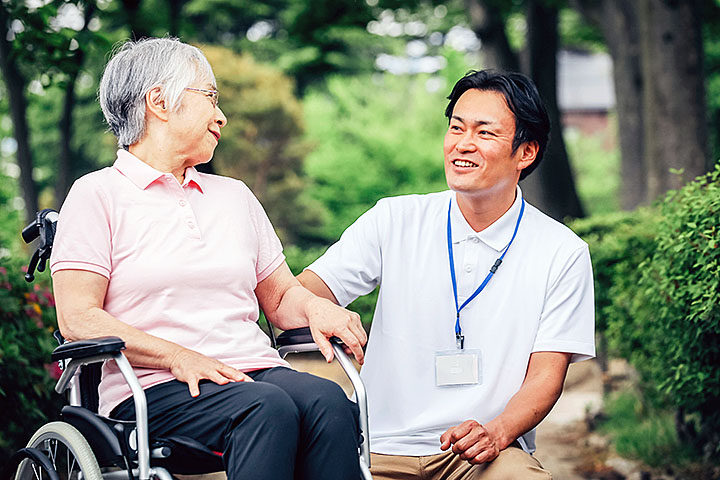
[{"x": 72, "y": 356}]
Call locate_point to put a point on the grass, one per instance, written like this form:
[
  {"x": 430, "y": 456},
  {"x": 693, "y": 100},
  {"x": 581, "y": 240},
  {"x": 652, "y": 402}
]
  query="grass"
[{"x": 643, "y": 433}]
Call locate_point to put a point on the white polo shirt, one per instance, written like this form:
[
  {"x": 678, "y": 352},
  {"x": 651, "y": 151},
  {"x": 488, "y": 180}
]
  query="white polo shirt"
[{"x": 540, "y": 299}]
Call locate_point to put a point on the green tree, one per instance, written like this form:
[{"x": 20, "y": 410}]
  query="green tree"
[
  {"x": 262, "y": 143},
  {"x": 374, "y": 136}
]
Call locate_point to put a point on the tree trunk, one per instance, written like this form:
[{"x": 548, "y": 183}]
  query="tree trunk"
[
  {"x": 15, "y": 84},
  {"x": 63, "y": 176},
  {"x": 674, "y": 94},
  {"x": 66, "y": 165},
  {"x": 551, "y": 186},
  {"x": 618, "y": 21},
  {"x": 134, "y": 19},
  {"x": 175, "y": 7},
  {"x": 489, "y": 27}
]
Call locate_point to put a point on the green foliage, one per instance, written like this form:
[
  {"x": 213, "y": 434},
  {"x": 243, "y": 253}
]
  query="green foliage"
[
  {"x": 619, "y": 242},
  {"x": 681, "y": 288},
  {"x": 592, "y": 159},
  {"x": 11, "y": 213},
  {"x": 27, "y": 319},
  {"x": 262, "y": 143},
  {"x": 374, "y": 136},
  {"x": 644, "y": 433},
  {"x": 658, "y": 302}
]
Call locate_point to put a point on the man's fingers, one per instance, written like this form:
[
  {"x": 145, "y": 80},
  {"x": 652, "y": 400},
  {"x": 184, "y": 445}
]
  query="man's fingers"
[
  {"x": 445, "y": 438},
  {"x": 484, "y": 457},
  {"x": 472, "y": 452}
]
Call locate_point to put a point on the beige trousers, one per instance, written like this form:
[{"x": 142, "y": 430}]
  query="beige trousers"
[{"x": 512, "y": 464}]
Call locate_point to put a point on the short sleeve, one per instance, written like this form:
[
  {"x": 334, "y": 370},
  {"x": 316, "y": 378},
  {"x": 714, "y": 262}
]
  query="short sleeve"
[
  {"x": 83, "y": 239},
  {"x": 353, "y": 265},
  {"x": 567, "y": 323},
  {"x": 269, "y": 254}
]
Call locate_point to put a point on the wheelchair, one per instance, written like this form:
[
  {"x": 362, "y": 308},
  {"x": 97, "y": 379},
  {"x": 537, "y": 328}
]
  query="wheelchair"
[{"x": 86, "y": 446}]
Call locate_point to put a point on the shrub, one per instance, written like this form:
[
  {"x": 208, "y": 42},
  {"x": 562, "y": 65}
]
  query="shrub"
[
  {"x": 680, "y": 290},
  {"x": 657, "y": 290},
  {"x": 619, "y": 242},
  {"x": 27, "y": 320}
]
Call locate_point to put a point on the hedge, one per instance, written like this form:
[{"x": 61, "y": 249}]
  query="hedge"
[{"x": 657, "y": 280}]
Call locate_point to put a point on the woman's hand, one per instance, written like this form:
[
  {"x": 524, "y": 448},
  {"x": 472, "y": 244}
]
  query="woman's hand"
[
  {"x": 329, "y": 320},
  {"x": 190, "y": 367}
]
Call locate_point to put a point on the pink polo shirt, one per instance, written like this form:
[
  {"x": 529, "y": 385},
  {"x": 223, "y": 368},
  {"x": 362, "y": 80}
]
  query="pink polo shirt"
[{"x": 182, "y": 262}]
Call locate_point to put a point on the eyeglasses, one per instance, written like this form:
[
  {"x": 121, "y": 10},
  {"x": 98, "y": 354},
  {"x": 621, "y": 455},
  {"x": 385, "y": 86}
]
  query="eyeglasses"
[{"x": 211, "y": 94}]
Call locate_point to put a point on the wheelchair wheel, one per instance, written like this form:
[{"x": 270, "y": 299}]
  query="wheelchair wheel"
[{"x": 68, "y": 451}]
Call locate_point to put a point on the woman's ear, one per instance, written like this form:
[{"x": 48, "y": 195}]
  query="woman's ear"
[{"x": 156, "y": 104}]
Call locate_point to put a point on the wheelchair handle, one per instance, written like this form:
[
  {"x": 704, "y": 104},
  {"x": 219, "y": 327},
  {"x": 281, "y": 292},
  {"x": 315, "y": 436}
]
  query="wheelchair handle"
[{"x": 43, "y": 227}]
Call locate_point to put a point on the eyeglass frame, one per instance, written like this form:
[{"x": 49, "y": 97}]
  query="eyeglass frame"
[{"x": 214, "y": 94}]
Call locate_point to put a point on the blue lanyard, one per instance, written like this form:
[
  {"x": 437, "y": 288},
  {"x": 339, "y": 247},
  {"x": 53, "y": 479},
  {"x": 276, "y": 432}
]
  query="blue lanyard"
[{"x": 459, "y": 338}]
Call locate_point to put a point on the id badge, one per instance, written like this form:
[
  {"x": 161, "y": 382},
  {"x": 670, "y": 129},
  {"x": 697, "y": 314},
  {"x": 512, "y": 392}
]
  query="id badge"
[{"x": 458, "y": 367}]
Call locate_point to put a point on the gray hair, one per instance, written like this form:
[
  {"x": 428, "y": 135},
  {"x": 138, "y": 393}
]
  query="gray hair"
[{"x": 135, "y": 68}]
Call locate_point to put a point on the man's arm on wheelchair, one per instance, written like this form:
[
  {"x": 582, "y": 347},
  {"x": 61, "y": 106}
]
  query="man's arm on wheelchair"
[
  {"x": 79, "y": 297},
  {"x": 287, "y": 304}
]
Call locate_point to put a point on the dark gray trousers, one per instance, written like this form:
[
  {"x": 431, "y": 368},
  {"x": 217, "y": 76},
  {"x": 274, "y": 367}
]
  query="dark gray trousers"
[{"x": 285, "y": 425}]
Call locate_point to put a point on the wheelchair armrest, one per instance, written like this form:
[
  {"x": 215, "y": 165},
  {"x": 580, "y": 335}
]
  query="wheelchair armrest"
[
  {"x": 295, "y": 336},
  {"x": 300, "y": 340},
  {"x": 88, "y": 348}
]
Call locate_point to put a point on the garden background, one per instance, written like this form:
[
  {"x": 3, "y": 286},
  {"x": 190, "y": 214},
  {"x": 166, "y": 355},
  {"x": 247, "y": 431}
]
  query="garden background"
[{"x": 333, "y": 104}]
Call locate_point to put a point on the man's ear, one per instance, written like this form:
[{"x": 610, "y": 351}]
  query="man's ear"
[
  {"x": 156, "y": 104},
  {"x": 527, "y": 152}
]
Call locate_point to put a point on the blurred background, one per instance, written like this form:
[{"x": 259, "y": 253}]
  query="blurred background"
[{"x": 333, "y": 104}]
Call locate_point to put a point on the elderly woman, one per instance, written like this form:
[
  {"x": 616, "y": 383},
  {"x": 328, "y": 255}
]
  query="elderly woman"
[{"x": 177, "y": 263}]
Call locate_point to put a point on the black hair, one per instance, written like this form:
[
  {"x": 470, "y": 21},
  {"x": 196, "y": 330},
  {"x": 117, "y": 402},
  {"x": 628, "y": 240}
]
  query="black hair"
[{"x": 531, "y": 119}]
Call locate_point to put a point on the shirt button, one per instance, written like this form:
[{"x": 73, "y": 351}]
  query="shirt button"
[
  {"x": 182, "y": 203},
  {"x": 476, "y": 240},
  {"x": 468, "y": 268},
  {"x": 191, "y": 225}
]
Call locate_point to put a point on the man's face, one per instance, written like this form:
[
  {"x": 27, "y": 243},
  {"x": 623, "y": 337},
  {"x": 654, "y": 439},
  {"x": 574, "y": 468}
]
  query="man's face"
[{"x": 478, "y": 145}]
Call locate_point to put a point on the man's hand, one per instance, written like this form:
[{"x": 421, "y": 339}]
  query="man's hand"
[
  {"x": 190, "y": 367},
  {"x": 327, "y": 320},
  {"x": 472, "y": 441}
]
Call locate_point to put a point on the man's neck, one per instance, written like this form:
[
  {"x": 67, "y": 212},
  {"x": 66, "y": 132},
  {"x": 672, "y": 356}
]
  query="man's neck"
[{"x": 481, "y": 211}]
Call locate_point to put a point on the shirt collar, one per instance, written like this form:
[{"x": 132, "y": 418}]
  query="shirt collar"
[
  {"x": 143, "y": 175},
  {"x": 497, "y": 235}
]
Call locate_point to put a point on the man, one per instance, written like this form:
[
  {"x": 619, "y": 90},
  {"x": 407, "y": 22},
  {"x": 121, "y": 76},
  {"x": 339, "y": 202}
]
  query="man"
[{"x": 484, "y": 300}]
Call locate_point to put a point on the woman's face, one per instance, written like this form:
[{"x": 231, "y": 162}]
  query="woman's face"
[{"x": 195, "y": 126}]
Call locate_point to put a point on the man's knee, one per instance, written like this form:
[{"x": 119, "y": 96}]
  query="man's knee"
[{"x": 513, "y": 463}]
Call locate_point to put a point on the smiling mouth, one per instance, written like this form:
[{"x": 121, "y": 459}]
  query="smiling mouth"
[
  {"x": 464, "y": 164},
  {"x": 216, "y": 135}
]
